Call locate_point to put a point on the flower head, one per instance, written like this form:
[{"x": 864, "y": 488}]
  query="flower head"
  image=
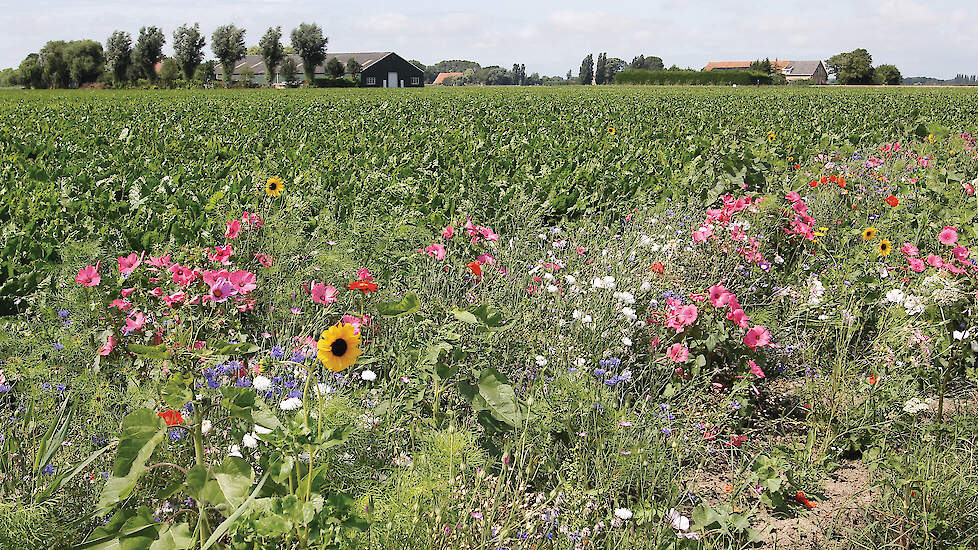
[
  {"x": 338, "y": 347},
  {"x": 274, "y": 186}
]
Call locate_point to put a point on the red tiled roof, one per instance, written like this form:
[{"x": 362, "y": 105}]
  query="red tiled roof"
[
  {"x": 776, "y": 65},
  {"x": 442, "y": 76}
]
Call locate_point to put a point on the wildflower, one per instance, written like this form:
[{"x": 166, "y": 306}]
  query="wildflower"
[
  {"x": 678, "y": 352},
  {"x": 892, "y": 201},
  {"x": 89, "y": 276},
  {"x": 221, "y": 290},
  {"x": 234, "y": 451},
  {"x": 948, "y": 236},
  {"x": 801, "y": 499},
  {"x": 755, "y": 369},
  {"x": 206, "y": 426},
  {"x": 914, "y": 305},
  {"x": 322, "y": 294},
  {"x": 365, "y": 286},
  {"x": 128, "y": 264},
  {"x": 540, "y": 360},
  {"x": 264, "y": 260},
  {"x": 262, "y": 383},
  {"x": 909, "y": 249},
  {"x": 961, "y": 253},
  {"x": 249, "y": 441},
  {"x": 885, "y": 247},
  {"x": 135, "y": 322},
  {"x": 475, "y": 267},
  {"x": 757, "y": 337},
  {"x": 623, "y": 514},
  {"x": 233, "y": 229},
  {"x": 869, "y": 233},
  {"x": 290, "y": 404},
  {"x": 274, "y": 186},
  {"x": 368, "y": 375},
  {"x": 448, "y": 232},
  {"x": 895, "y": 296},
  {"x": 611, "y": 131},
  {"x": 338, "y": 347},
  {"x": 657, "y": 268},
  {"x": 436, "y": 251},
  {"x": 171, "y": 417}
]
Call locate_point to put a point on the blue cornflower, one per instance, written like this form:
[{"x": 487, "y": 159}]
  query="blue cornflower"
[
  {"x": 214, "y": 382},
  {"x": 243, "y": 382},
  {"x": 49, "y": 469},
  {"x": 176, "y": 435},
  {"x": 58, "y": 347},
  {"x": 298, "y": 357},
  {"x": 600, "y": 372},
  {"x": 296, "y": 394},
  {"x": 277, "y": 352},
  {"x": 666, "y": 430},
  {"x": 64, "y": 313}
]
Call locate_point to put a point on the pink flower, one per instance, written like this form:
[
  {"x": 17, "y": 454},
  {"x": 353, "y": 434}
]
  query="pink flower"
[
  {"x": 968, "y": 188},
  {"x": 961, "y": 253},
  {"x": 948, "y": 236},
  {"x": 757, "y": 337},
  {"x": 108, "y": 346},
  {"x": 89, "y": 276},
  {"x": 233, "y": 229},
  {"x": 702, "y": 234},
  {"x": 120, "y": 304},
  {"x": 264, "y": 259},
  {"x": 678, "y": 353},
  {"x": 135, "y": 323},
  {"x": 161, "y": 262},
  {"x": 221, "y": 290},
  {"x": 364, "y": 275},
  {"x": 909, "y": 249},
  {"x": 793, "y": 196},
  {"x": 800, "y": 208},
  {"x": 221, "y": 254},
  {"x": 488, "y": 233},
  {"x": 322, "y": 294},
  {"x": 738, "y": 317},
  {"x": 917, "y": 264},
  {"x": 243, "y": 281},
  {"x": 127, "y": 291},
  {"x": 755, "y": 369},
  {"x": 737, "y": 233},
  {"x": 934, "y": 260},
  {"x": 470, "y": 228},
  {"x": 127, "y": 264},
  {"x": 436, "y": 251},
  {"x": 448, "y": 232},
  {"x": 716, "y": 292},
  {"x": 486, "y": 259},
  {"x": 175, "y": 298},
  {"x": 357, "y": 322}
]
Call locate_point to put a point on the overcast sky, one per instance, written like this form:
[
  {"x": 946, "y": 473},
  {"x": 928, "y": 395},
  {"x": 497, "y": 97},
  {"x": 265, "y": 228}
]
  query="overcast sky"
[{"x": 922, "y": 37}]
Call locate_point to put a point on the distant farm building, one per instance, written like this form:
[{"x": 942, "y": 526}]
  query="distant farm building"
[
  {"x": 377, "y": 69},
  {"x": 440, "y": 79},
  {"x": 792, "y": 70}
]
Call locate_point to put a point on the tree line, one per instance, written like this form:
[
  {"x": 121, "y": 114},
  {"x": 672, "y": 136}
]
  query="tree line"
[{"x": 122, "y": 61}]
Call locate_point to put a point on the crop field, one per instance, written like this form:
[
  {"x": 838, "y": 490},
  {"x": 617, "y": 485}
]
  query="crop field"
[{"x": 487, "y": 318}]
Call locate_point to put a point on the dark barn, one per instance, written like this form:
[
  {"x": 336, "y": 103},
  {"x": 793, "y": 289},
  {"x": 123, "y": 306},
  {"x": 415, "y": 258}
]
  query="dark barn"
[
  {"x": 377, "y": 69},
  {"x": 391, "y": 71}
]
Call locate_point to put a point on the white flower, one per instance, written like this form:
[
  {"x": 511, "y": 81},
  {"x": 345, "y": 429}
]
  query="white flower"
[
  {"x": 626, "y": 297},
  {"x": 249, "y": 441},
  {"x": 570, "y": 279},
  {"x": 646, "y": 286},
  {"x": 205, "y": 427},
  {"x": 368, "y": 375},
  {"x": 587, "y": 320},
  {"x": 895, "y": 296},
  {"x": 323, "y": 391},
  {"x": 629, "y": 313},
  {"x": 679, "y": 522},
  {"x": 552, "y": 288},
  {"x": 884, "y": 272},
  {"x": 815, "y": 291},
  {"x": 290, "y": 404},
  {"x": 914, "y": 305},
  {"x": 914, "y": 406},
  {"x": 235, "y": 451},
  {"x": 577, "y": 314},
  {"x": 627, "y": 341},
  {"x": 580, "y": 362},
  {"x": 778, "y": 259},
  {"x": 261, "y": 383},
  {"x": 548, "y": 276},
  {"x": 541, "y": 361},
  {"x": 623, "y": 514},
  {"x": 607, "y": 282}
]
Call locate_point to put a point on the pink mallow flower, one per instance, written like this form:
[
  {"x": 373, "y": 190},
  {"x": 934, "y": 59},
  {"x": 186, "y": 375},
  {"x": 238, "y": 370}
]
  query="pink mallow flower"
[
  {"x": 961, "y": 253},
  {"x": 243, "y": 281},
  {"x": 678, "y": 353},
  {"x": 233, "y": 229},
  {"x": 108, "y": 346},
  {"x": 128, "y": 264},
  {"x": 121, "y": 305},
  {"x": 948, "y": 236},
  {"x": 934, "y": 260},
  {"x": 436, "y": 251},
  {"x": 755, "y": 369},
  {"x": 221, "y": 291},
  {"x": 364, "y": 275},
  {"x": 322, "y": 294},
  {"x": 161, "y": 262},
  {"x": 448, "y": 232},
  {"x": 757, "y": 337},
  {"x": 135, "y": 322},
  {"x": 89, "y": 276},
  {"x": 917, "y": 265},
  {"x": 264, "y": 259},
  {"x": 221, "y": 254},
  {"x": 909, "y": 249}
]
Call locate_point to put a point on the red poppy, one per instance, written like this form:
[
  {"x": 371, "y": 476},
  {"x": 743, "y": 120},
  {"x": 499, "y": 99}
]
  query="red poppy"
[
  {"x": 171, "y": 417},
  {"x": 365, "y": 286},
  {"x": 737, "y": 440},
  {"x": 801, "y": 499},
  {"x": 475, "y": 267},
  {"x": 842, "y": 183},
  {"x": 872, "y": 379},
  {"x": 657, "y": 267},
  {"x": 813, "y": 183},
  {"x": 797, "y": 167},
  {"x": 833, "y": 178},
  {"x": 892, "y": 201},
  {"x": 825, "y": 179}
]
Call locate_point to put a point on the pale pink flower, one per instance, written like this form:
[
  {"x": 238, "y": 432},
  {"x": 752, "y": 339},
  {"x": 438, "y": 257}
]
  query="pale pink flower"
[
  {"x": 120, "y": 304},
  {"x": 135, "y": 322},
  {"x": 948, "y": 236},
  {"x": 678, "y": 353},
  {"x": 221, "y": 291},
  {"x": 917, "y": 264},
  {"x": 233, "y": 229},
  {"x": 89, "y": 276},
  {"x": 934, "y": 260},
  {"x": 322, "y": 294},
  {"x": 243, "y": 281},
  {"x": 108, "y": 346},
  {"x": 486, "y": 259},
  {"x": 909, "y": 249},
  {"x": 127, "y": 264},
  {"x": 436, "y": 251},
  {"x": 738, "y": 317},
  {"x": 757, "y": 337},
  {"x": 755, "y": 369},
  {"x": 161, "y": 262},
  {"x": 127, "y": 291},
  {"x": 961, "y": 253},
  {"x": 264, "y": 259}
]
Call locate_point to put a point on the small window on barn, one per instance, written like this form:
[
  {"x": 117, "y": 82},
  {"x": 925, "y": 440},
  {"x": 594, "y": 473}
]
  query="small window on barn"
[
  {"x": 371, "y": 80},
  {"x": 415, "y": 80}
]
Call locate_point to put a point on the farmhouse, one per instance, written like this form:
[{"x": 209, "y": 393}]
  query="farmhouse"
[
  {"x": 440, "y": 79},
  {"x": 377, "y": 69},
  {"x": 792, "y": 70}
]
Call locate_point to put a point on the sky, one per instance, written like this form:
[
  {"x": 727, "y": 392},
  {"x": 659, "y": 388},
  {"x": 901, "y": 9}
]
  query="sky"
[{"x": 921, "y": 37}]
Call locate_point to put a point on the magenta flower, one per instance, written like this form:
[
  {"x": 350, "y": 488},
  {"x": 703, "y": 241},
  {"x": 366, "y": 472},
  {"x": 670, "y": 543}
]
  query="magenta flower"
[
  {"x": 243, "y": 281},
  {"x": 678, "y": 353},
  {"x": 135, "y": 322},
  {"x": 948, "y": 236},
  {"x": 161, "y": 262},
  {"x": 89, "y": 276},
  {"x": 436, "y": 251},
  {"x": 127, "y": 264},
  {"x": 222, "y": 290},
  {"x": 755, "y": 369},
  {"x": 448, "y": 232},
  {"x": 322, "y": 294},
  {"x": 961, "y": 253},
  {"x": 757, "y": 337},
  {"x": 909, "y": 249},
  {"x": 233, "y": 229}
]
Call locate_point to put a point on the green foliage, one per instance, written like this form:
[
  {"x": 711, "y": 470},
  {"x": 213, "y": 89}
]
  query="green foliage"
[
  {"x": 310, "y": 45},
  {"x": 716, "y": 78},
  {"x": 271, "y": 51},
  {"x": 855, "y": 67},
  {"x": 148, "y": 51},
  {"x": 888, "y": 75},
  {"x": 188, "y": 49},
  {"x": 228, "y": 45},
  {"x": 118, "y": 55}
]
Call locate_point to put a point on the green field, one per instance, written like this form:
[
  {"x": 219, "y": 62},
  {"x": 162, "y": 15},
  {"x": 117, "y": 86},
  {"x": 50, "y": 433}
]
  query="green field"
[{"x": 567, "y": 370}]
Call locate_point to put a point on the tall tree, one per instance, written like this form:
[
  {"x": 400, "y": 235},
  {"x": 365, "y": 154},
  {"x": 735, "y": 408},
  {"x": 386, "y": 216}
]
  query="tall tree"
[
  {"x": 612, "y": 67},
  {"x": 855, "y": 67},
  {"x": 762, "y": 66},
  {"x": 310, "y": 44},
  {"x": 289, "y": 70},
  {"x": 651, "y": 63},
  {"x": 169, "y": 71},
  {"x": 888, "y": 75},
  {"x": 148, "y": 51},
  {"x": 188, "y": 49},
  {"x": 272, "y": 52},
  {"x": 570, "y": 76},
  {"x": 118, "y": 54},
  {"x": 32, "y": 71},
  {"x": 335, "y": 68},
  {"x": 587, "y": 70},
  {"x": 354, "y": 68},
  {"x": 229, "y": 48},
  {"x": 55, "y": 63},
  {"x": 599, "y": 71},
  {"x": 86, "y": 61}
]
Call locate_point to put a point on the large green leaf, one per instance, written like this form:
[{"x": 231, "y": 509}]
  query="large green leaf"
[
  {"x": 142, "y": 430},
  {"x": 151, "y": 352},
  {"x": 408, "y": 305},
  {"x": 227, "y": 487}
]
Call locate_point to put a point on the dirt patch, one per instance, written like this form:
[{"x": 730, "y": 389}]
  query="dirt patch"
[{"x": 848, "y": 496}]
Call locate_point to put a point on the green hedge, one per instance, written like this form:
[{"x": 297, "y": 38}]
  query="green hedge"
[
  {"x": 334, "y": 83},
  {"x": 722, "y": 78}
]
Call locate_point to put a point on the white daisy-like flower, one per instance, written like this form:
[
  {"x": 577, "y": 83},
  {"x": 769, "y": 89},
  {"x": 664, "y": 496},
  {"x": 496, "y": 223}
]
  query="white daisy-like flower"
[
  {"x": 623, "y": 514},
  {"x": 368, "y": 375},
  {"x": 895, "y": 296},
  {"x": 290, "y": 404},
  {"x": 261, "y": 383},
  {"x": 540, "y": 360},
  {"x": 627, "y": 341},
  {"x": 205, "y": 427},
  {"x": 249, "y": 441}
]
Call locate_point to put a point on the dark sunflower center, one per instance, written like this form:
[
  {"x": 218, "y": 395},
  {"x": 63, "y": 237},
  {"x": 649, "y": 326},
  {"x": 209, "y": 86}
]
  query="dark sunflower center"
[
  {"x": 272, "y": 186},
  {"x": 338, "y": 347}
]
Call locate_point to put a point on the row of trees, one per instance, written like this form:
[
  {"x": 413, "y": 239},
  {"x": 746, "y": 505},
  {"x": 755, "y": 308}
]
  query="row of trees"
[
  {"x": 605, "y": 70},
  {"x": 62, "y": 64}
]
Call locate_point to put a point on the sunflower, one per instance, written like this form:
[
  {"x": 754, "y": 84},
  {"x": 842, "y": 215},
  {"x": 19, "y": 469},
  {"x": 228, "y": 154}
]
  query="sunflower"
[
  {"x": 886, "y": 247},
  {"x": 274, "y": 186},
  {"x": 611, "y": 130},
  {"x": 869, "y": 233},
  {"x": 338, "y": 347}
]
